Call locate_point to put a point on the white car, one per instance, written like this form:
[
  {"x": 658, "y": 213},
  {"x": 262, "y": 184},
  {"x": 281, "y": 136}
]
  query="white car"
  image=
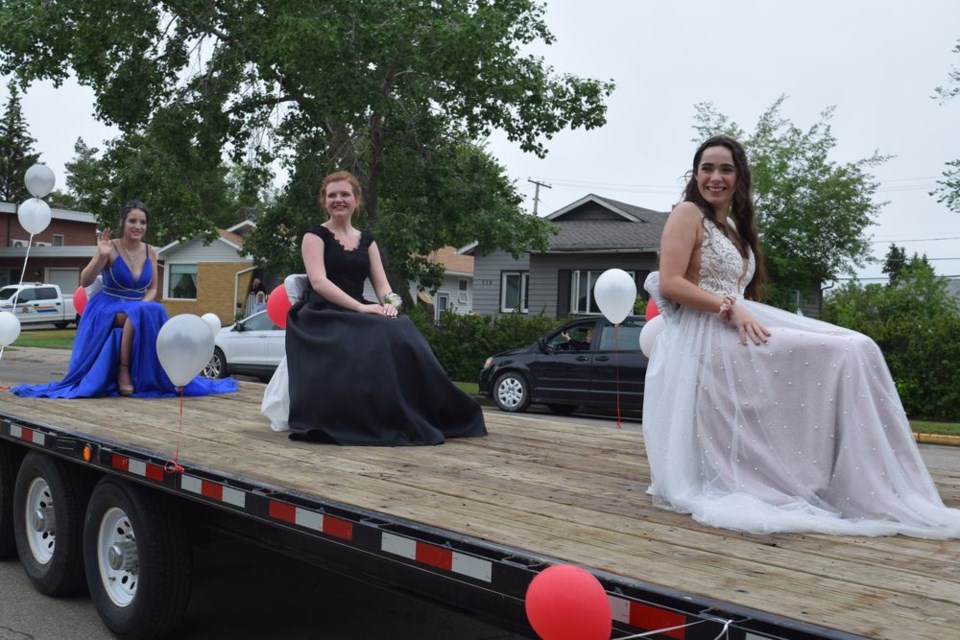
[{"x": 253, "y": 346}]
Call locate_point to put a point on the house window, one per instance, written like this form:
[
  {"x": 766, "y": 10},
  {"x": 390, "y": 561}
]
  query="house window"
[
  {"x": 513, "y": 291},
  {"x": 462, "y": 291},
  {"x": 58, "y": 239},
  {"x": 581, "y": 291},
  {"x": 182, "y": 281}
]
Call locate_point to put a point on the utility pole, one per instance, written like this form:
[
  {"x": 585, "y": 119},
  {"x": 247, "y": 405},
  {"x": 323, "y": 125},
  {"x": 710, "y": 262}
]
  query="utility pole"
[{"x": 536, "y": 193}]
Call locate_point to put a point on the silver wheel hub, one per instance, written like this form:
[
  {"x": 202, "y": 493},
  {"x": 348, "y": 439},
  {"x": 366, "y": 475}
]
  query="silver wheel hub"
[{"x": 40, "y": 521}]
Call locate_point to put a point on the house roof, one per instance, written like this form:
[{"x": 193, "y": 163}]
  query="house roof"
[
  {"x": 597, "y": 236},
  {"x": 229, "y": 237},
  {"x": 629, "y": 212},
  {"x": 453, "y": 262},
  {"x": 594, "y": 224}
]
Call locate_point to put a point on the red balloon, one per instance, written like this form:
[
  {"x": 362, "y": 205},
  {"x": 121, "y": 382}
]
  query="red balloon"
[
  {"x": 652, "y": 310},
  {"x": 565, "y": 602},
  {"x": 278, "y": 304},
  {"x": 80, "y": 300}
]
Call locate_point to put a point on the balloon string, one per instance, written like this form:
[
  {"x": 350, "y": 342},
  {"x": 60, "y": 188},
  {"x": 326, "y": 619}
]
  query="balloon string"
[
  {"x": 23, "y": 273},
  {"x": 724, "y": 632},
  {"x": 174, "y": 465},
  {"x": 616, "y": 367}
]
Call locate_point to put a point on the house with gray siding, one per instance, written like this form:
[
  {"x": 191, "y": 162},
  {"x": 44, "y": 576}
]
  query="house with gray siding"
[{"x": 593, "y": 234}]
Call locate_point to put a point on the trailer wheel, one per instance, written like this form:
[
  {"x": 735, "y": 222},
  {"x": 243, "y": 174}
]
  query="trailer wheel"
[
  {"x": 48, "y": 503},
  {"x": 136, "y": 554},
  {"x": 9, "y": 462}
]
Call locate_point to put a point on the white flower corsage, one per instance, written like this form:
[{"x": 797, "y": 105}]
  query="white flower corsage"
[{"x": 392, "y": 298}]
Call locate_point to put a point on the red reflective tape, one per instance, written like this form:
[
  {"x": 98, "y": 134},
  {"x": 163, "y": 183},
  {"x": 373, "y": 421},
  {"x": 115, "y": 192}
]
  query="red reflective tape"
[
  {"x": 26, "y": 434},
  {"x": 120, "y": 462},
  {"x": 434, "y": 556},
  {"x": 211, "y": 490},
  {"x": 154, "y": 472},
  {"x": 649, "y": 617},
  {"x": 281, "y": 511},
  {"x": 337, "y": 528}
]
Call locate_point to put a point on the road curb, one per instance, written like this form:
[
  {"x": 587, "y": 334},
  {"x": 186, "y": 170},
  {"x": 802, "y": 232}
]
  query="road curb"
[{"x": 937, "y": 438}]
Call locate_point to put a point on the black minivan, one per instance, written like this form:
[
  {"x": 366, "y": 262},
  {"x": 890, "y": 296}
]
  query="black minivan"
[{"x": 586, "y": 362}]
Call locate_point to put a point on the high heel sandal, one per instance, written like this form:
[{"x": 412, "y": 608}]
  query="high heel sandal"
[{"x": 124, "y": 391}]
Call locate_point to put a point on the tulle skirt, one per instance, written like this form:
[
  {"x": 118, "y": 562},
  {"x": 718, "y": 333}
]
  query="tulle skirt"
[{"x": 804, "y": 433}]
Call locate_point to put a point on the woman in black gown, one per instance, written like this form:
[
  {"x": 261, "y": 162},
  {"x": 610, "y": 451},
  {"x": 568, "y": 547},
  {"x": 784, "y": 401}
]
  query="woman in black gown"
[{"x": 360, "y": 373}]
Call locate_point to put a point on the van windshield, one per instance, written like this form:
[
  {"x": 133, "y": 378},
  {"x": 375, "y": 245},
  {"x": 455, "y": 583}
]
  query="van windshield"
[{"x": 7, "y": 292}]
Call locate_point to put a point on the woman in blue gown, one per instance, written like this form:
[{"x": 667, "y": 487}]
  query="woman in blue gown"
[{"x": 115, "y": 348}]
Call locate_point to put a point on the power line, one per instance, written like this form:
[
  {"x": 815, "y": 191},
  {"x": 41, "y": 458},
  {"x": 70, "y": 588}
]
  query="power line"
[{"x": 917, "y": 240}]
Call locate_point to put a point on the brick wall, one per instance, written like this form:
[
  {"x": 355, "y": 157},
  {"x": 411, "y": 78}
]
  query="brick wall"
[
  {"x": 74, "y": 233},
  {"x": 215, "y": 282}
]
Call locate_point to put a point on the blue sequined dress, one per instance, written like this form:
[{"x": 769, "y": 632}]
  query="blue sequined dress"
[{"x": 96, "y": 347}]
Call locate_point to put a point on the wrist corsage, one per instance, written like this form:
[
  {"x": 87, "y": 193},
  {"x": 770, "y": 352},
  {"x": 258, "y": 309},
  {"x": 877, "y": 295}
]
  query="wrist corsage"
[{"x": 392, "y": 298}]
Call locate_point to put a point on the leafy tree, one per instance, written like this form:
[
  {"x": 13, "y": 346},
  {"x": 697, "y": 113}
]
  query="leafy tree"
[
  {"x": 916, "y": 323},
  {"x": 812, "y": 211},
  {"x": 948, "y": 187},
  {"x": 16, "y": 149},
  {"x": 896, "y": 263},
  {"x": 396, "y": 91}
]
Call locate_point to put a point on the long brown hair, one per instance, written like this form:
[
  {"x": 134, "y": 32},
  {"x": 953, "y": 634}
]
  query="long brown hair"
[{"x": 741, "y": 207}]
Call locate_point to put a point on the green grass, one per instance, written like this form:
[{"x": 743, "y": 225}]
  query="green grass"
[
  {"x": 943, "y": 428},
  {"x": 471, "y": 388},
  {"x": 47, "y": 338}
]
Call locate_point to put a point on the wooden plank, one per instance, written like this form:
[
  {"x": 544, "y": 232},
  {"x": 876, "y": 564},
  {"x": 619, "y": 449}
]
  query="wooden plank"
[{"x": 560, "y": 490}]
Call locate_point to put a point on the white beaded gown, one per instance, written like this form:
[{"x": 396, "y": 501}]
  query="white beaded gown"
[{"x": 805, "y": 433}]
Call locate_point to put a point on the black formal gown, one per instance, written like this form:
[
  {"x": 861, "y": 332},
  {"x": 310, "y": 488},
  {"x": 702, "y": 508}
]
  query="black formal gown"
[{"x": 362, "y": 379}]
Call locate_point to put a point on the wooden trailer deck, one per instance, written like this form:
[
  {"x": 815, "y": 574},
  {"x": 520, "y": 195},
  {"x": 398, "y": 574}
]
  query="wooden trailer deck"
[{"x": 563, "y": 491}]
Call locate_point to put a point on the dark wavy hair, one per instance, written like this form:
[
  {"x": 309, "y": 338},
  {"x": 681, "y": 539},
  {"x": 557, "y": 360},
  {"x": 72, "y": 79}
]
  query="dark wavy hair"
[
  {"x": 125, "y": 211},
  {"x": 741, "y": 207}
]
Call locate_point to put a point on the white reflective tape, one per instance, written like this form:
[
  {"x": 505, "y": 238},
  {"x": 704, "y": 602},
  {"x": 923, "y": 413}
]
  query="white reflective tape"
[
  {"x": 234, "y": 497},
  {"x": 16, "y": 431},
  {"x": 472, "y": 567},
  {"x": 620, "y": 609},
  {"x": 403, "y": 547},
  {"x": 191, "y": 484},
  {"x": 309, "y": 519},
  {"x": 39, "y": 438},
  {"x": 138, "y": 467}
]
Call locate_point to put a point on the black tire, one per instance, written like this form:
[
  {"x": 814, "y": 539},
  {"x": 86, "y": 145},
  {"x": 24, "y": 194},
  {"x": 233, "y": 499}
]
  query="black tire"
[
  {"x": 137, "y": 559},
  {"x": 48, "y": 505},
  {"x": 217, "y": 367},
  {"x": 562, "y": 409},
  {"x": 511, "y": 392},
  {"x": 10, "y": 458},
  {"x": 61, "y": 325}
]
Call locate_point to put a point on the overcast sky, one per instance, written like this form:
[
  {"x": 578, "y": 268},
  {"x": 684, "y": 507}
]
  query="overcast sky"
[{"x": 877, "y": 61}]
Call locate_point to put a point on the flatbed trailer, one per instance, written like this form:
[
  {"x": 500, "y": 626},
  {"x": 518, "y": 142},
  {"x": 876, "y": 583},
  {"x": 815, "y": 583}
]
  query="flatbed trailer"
[{"x": 468, "y": 524}]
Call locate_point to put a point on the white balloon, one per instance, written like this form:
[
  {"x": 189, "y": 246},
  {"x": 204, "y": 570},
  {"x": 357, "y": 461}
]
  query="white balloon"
[
  {"x": 34, "y": 215},
  {"x": 615, "y": 293},
  {"x": 184, "y": 346},
  {"x": 213, "y": 321},
  {"x": 649, "y": 334},
  {"x": 39, "y": 180},
  {"x": 9, "y": 328}
]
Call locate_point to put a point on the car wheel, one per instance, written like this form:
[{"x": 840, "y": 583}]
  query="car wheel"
[
  {"x": 562, "y": 409},
  {"x": 511, "y": 392},
  {"x": 60, "y": 325},
  {"x": 217, "y": 367}
]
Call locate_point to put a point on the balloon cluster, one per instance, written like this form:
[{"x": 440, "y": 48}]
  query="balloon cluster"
[
  {"x": 564, "y": 602},
  {"x": 652, "y": 329},
  {"x": 34, "y": 216}
]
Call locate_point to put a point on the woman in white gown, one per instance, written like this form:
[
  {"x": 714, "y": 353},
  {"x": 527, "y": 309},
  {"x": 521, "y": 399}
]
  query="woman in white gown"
[{"x": 760, "y": 420}]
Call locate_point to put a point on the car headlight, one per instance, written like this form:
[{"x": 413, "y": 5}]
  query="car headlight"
[{"x": 487, "y": 363}]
